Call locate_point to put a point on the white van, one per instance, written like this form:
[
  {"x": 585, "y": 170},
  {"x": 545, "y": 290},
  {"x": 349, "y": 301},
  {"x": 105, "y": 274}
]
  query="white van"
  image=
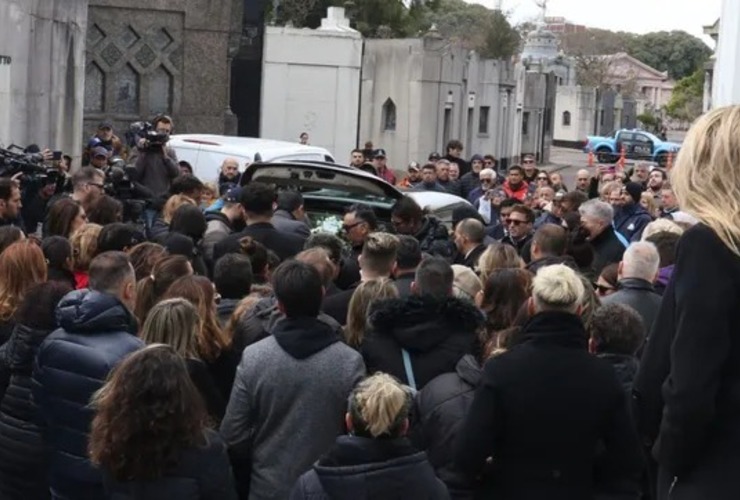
[{"x": 206, "y": 152}]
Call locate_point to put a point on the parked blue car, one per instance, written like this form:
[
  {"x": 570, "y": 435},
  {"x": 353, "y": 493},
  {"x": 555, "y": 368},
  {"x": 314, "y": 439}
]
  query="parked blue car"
[{"x": 638, "y": 145}]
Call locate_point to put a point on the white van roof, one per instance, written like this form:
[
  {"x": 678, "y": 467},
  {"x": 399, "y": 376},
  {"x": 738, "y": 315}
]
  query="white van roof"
[{"x": 205, "y": 152}]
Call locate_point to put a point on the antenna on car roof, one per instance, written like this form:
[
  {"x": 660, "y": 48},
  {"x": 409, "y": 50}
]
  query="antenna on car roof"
[{"x": 257, "y": 157}]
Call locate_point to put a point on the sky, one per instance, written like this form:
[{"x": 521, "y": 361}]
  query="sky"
[{"x": 638, "y": 16}]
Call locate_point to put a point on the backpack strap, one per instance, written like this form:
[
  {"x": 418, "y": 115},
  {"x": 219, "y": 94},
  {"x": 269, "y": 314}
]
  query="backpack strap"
[{"x": 409, "y": 370}]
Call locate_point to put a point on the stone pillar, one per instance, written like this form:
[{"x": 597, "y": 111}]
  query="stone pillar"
[{"x": 727, "y": 72}]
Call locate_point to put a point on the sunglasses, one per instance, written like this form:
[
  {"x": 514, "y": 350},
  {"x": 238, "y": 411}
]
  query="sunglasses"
[
  {"x": 542, "y": 178},
  {"x": 487, "y": 181},
  {"x": 602, "y": 289},
  {"x": 348, "y": 227},
  {"x": 515, "y": 222}
]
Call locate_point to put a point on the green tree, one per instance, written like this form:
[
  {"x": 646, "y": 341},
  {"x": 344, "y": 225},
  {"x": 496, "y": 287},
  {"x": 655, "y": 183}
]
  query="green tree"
[
  {"x": 687, "y": 98},
  {"x": 595, "y": 42},
  {"x": 501, "y": 41},
  {"x": 677, "y": 52}
]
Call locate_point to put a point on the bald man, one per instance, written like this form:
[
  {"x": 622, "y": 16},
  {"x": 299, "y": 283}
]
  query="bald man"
[
  {"x": 469, "y": 235},
  {"x": 583, "y": 178},
  {"x": 229, "y": 171}
]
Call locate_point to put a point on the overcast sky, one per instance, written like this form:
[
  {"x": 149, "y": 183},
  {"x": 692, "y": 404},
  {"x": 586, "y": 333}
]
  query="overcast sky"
[{"x": 639, "y": 16}]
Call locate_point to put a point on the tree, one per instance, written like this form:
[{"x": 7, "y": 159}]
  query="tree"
[
  {"x": 592, "y": 70},
  {"x": 595, "y": 42},
  {"x": 501, "y": 40},
  {"x": 677, "y": 52},
  {"x": 687, "y": 98}
]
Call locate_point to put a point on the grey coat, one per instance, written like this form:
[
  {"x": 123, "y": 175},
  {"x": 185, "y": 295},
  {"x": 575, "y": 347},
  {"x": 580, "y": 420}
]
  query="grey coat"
[
  {"x": 285, "y": 412},
  {"x": 284, "y": 222},
  {"x": 641, "y": 296},
  {"x": 216, "y": 230}
]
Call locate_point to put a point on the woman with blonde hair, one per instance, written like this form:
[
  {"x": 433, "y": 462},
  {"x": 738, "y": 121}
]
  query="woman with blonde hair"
[
  {"x": 84, "y": 248},
  {"x": 150, "y": 436},
  {"x": 176, "y": 323},
  {"x": 161, "y": 225},
  {"x": 647, "y": 200},
  {"x": 498, "y": 256},
  {"x": 358, "y": 312},
  {"x": 688, "y": 386},
  {"x": 22, "y": 265},
  {"x": 376, "y": 460},
  {"x": 212, "y": 346}
]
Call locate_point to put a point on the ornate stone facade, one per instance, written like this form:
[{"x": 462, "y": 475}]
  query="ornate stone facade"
[{"x": 146, "y": 57}]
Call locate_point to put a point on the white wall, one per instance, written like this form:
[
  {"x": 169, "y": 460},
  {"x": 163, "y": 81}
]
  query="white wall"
[
  {"x": 45, "y": 40},
  {"x": 311, "y": 83},
  {"x": 580, "y": 102},
  {"x": 727, "y": 70}
]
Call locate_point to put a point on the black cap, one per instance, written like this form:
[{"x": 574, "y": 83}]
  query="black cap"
[
  {"x": 434, "y": 156},
  {"x": 105, "y": 124},
  {"x": 379, "y": 153}
]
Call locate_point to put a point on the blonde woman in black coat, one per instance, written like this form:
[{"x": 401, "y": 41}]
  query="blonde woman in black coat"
[{"x": 687, "y": 391}]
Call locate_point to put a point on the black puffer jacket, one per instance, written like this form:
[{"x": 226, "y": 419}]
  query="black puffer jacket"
[
  {"x": 440, "y": 410},
  {"x": 434, "y": 238},
  {"x": 96, "y": 333},
  {"x": 23, "y": 467},
  {"x": 436, "y": 333},
  {"x": 372, "y": 469}
]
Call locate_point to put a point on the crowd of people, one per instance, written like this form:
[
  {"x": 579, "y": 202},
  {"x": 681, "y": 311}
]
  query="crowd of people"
[{"x": 554, "y": 343}]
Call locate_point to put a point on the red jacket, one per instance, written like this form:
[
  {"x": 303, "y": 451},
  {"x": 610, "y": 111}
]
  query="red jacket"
[
  {"x": 520, "y": 194},
  {"x": 387, "y": 175}
]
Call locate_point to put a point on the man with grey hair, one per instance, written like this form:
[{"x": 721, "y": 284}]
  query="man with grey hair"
[
  {"x": 637, "y": 273},
  {"x": 566, "y": 402},
  {"x": 487, "y": 178},
  {"x": 583, "y": 181},
  {"x": 596, "y": 220}
]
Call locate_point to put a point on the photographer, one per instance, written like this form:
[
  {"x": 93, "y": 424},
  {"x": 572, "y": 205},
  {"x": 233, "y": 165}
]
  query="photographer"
[
  {"x": 155, "y": 163},
  {"x": 10, "y": 203}
]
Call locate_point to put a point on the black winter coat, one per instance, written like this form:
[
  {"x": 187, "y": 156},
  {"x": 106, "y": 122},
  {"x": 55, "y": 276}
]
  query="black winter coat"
[
  {"x": 440, "y": 410},
  {"x": 641, "y": 296},
  {"x": 608, "y": 249},
  {"x": 625, "y": 367},
  {"x": 630, "y": 220},
  {"x": 690, "y": 373},
  {"x": 96, "y": 332},
  {"x": 434, "y": 238},
  {"x": 541, "y": 410},
  {"x": 202, "y": 473},
  {"x": 436, "y": 334},
  {"x": 285, "y": 245},
  {"x": 23, "y": 464},
  {"x": 370, "y": 469}
]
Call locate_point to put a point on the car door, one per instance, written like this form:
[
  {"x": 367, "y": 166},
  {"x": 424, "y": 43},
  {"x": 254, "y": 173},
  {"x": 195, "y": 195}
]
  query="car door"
[
  {"x": 642, "y": 147},
  {"x": 625, "y": 140}
]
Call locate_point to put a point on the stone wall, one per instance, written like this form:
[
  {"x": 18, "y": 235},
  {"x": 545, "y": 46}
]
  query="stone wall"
[
  {"x": 146, "y": 57},
  {"x": 42, "y": 44}
]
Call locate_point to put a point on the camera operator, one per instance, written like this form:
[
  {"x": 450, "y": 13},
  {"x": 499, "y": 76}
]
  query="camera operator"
[
  {"x": 10, "y": 203},
  {"x": 156, "y": 164}
]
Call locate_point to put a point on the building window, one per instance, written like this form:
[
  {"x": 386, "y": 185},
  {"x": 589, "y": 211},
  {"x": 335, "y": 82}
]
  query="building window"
[
  {"x": 566, "y": 119},
  {"x": 389, "y": 115},
  {"x": 525, "y": 123},
  {"x": 485, "y": 111}
]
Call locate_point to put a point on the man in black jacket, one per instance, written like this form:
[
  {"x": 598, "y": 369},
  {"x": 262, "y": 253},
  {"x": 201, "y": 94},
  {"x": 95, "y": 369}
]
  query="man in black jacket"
[
  {"x": 520, "y": 224},
  {"x": 97, "y": 330},
  {"x": 408, "y": 217},
  {"x": 549, "y": 244},
  {"x": 420, "y": 337},
  {"x": 545, "y": 406},
  {"x": 407, "y": 261},
  {"x": 258, "y": 200},
  {"x": 608, "y": 245},
  {"x": 358, "y": 223},
  {"x": 637, "y": 272},
  {"x": 469, "y": 236}
]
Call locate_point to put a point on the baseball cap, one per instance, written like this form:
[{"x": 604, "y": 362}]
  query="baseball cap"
[
  {"x": 100, "y": 151},
  {"x": 434, "y": 156},
  {"x": 105, "y": 124},
  {"x": 414, "y": 166},
  {"x": 379, "y": 153},
  {"x": 234, "y": 195}
]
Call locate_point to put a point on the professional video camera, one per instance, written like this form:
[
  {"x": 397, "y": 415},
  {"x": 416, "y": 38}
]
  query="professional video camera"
[
  {"x": 31, "y": 166},
  {"x": 146, "y": 131},
  {"x": 119, "y": 185}
]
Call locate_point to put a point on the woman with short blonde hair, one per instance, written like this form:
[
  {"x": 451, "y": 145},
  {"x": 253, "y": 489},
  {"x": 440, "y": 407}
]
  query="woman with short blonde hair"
[
  {"x": 696, "y": 337},
  {"x": 376, "y": 458},
  {"x": 358, "y": 312}
]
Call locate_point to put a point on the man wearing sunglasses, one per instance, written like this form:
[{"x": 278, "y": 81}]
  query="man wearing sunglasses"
[
  {"x": 519, "y": 226},
  {"x": 530, "y": 169}
]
